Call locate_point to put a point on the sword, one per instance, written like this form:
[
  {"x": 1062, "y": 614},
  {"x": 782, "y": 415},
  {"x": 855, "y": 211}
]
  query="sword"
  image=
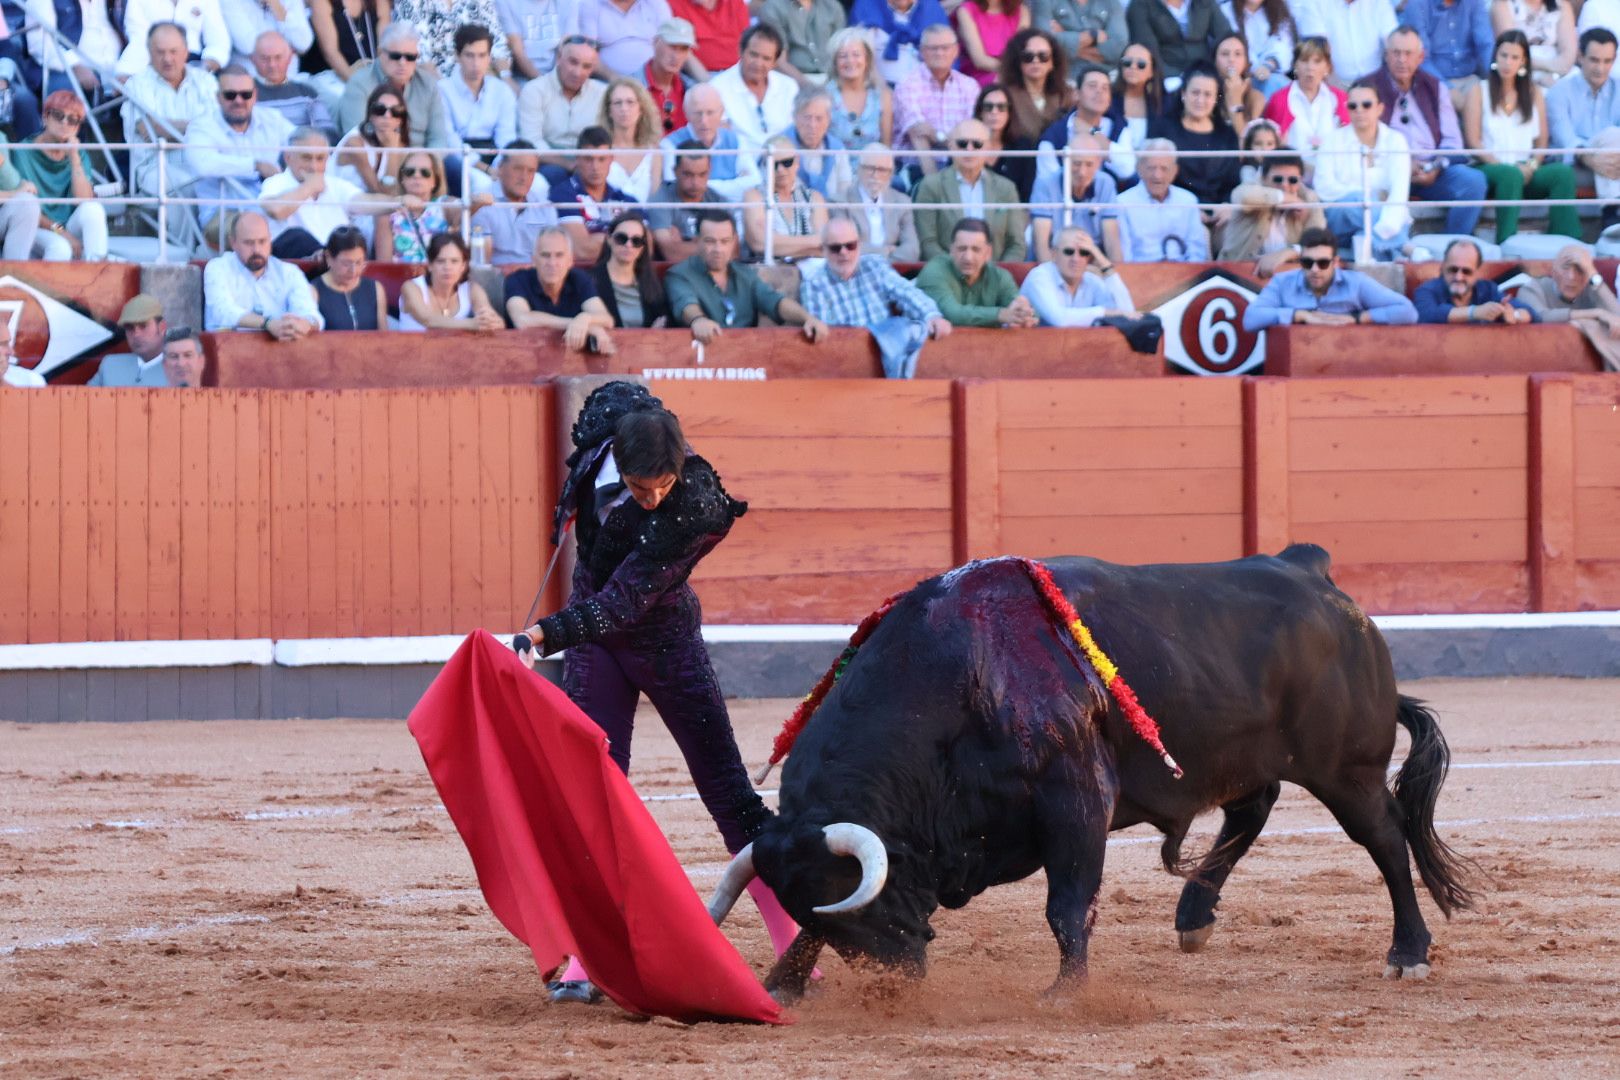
[{"x": 523, "y": 641}]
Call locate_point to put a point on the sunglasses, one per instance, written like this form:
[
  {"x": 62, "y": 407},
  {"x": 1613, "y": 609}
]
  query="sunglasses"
[
  {"x": 1139, "y": 64},
  {"x": 72, "y": 118},
  {"x": 397, "y": 56},
  {"x": 1289, "y": 181},
  {"x": 411, "y": 171},
  {"x": 1071, "y": 252},
  {"x": 1029, "y": 56},
  {"x": 1460, "y": 271},
  {"x": 784, "y": 163},
  {"x": 396, "y": 111},
  {"x": 1357, "y": 106},
  {"x": 1316, "y": 264},
  {"x": 969, "y": 144},
  {"x": 237, "y": 95},
  {"x": 994, "y": 106},
  {"x": 635, "y": 240},
  {"x": 837, "y": 249}
]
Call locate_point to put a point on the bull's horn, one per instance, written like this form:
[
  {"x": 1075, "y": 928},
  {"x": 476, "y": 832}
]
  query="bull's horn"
[
  {"x": 732, "y": 884},
  {"x": 846, "y": 838}
]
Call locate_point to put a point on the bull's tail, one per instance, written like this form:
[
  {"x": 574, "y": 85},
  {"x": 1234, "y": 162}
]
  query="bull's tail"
[{"x": 1417, "y": 789}]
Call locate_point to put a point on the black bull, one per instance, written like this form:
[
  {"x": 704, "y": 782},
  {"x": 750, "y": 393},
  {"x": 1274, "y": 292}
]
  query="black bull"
[{"x": 966, "y": 737}]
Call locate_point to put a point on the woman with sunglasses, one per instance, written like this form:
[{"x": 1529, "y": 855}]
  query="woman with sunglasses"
[
  {"x": 444, "y": 299},
  {"x": 1310, "y": 106},
  {"x": 863, "y": 104},
  {"x": 630, "y": 117},
  {"x": 349, "y": 300},
  {"x": 369, "y": 156},
  {"x": 1504, "y": 119},
  {"x": 402, "y": 235},
  {"x": 438, "y": 21},
  {"x": 994, "y": 111},
  {"x": 624, "y": 276},
  {"x": 1199, "y": 125},
  {"x": 985, "y": 28},
  {"x": 822, "y": 164},
  {"x": 1389, "y": 175},
  {"x": 798, "y": 213},
  {"x": 1138, "y": 92},
  {"x": 1035, "y": 73}
]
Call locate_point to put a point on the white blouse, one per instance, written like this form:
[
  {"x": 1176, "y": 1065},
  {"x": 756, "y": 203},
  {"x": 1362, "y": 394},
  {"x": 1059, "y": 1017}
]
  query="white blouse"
[
  {"x": 1389, "y": 175},
  {"x": 1508, "y": 136},
  {"x": 463, "y": 304}
]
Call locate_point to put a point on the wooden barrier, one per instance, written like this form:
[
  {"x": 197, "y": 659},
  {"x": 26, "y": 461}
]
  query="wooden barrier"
[
  {"x": 1459, "y": 349},
  {"x": 462, "y": 358},
  {"x": 153, "y": 515}
]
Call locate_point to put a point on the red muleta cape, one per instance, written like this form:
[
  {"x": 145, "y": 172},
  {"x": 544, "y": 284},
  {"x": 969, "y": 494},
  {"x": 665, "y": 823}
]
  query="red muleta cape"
[{"x": 568, "y": 857}]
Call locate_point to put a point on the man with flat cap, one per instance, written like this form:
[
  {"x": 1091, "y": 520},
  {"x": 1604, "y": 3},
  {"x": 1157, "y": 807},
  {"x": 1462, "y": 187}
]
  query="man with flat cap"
[{"x": 144, "y": 326}]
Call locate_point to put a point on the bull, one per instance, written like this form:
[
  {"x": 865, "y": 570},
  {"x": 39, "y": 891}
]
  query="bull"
[{"x": 968, "y": 744}]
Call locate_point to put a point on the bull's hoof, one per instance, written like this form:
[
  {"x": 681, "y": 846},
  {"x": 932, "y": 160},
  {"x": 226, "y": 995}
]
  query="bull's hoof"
[
  {"x": 573, "y": 992},
  {"x": 1194, "y": 940},
  {"x": 1412, "y": 972}
]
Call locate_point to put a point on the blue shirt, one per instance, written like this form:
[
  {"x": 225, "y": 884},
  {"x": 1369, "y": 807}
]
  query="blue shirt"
[
  {"x": 1083, "y": 213},
  {"x": 1457, "y": 40},
  {"x": 1433, "y": 301},
  {"x": 1049, "y": 295},
  {"x": 1575, "y": 114},
  {"x": 489, "y": 117},
  {"x": 572, "y": 201},
  {"x": 1350, "y": 291}
]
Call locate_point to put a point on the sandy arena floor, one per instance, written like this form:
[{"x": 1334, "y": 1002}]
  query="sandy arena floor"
[{"x": 287, "y": 899}]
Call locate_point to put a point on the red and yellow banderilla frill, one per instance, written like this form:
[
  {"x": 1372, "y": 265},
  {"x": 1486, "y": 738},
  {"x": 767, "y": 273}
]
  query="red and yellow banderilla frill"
[{"x": 1061, "y": 612}]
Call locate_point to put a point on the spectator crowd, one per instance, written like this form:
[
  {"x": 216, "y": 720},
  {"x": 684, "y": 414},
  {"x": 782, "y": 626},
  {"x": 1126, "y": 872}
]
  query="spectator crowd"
[{"x": 583, "y": 141}]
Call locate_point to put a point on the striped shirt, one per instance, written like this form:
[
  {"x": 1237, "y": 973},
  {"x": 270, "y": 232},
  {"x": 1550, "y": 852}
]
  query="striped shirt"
[{"x": 863, "y": 299}]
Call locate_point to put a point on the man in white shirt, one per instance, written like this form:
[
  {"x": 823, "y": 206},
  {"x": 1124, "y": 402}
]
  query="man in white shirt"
[
  {"x": 247, "y": 19},
  {"x": 208, "y": 38},
  {"x": 553, "y": 109},
  {"x": 163, "y": 100},
  {"x": 304, "y": 203},
  {"x": 623, "y": 30},
  {"x": 235, "y": 149},
  {"x": 1078, "y": 286},
  {"x": 96, "y": 48},
  {"x": 730, "y": 175},
  {"x": 143, "y": 325},
  {"x": 247, "y": 288},
  {"x": 758, "y": 99},
  {"x": 480, "y": 109},
  {"x": 1355, "y": 28},
  {"x": 1159, "y": 222}
]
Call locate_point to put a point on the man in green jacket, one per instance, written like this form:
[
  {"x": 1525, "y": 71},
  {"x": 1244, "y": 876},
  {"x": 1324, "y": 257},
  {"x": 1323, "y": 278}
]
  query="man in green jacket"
[{"x": 971, "y": 290}]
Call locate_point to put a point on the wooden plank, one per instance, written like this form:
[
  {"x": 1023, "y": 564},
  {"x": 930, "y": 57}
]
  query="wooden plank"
[
  {"x": 495, "y": 453},
  {"x": 853, "y": 472},
  {"x": 404, "y": 513},
  {"x": 43, "y": 565},
  {"x": 1597, "y": 438},
  {"x": 73, "y": 542},
  {"x": 255, "y": 615},
  {"x": 221, "y": 477},
  {"x": 290, "y": 526},
  {"x": 1042, "y": 449},
  {"x": 375, "y": 612},
  {"x": 101, "y": 567},
  {"x": 536, "y": 474},
  {"x": 976, "y": 469},
  {"x": 783, "y": 542},
  {"x": 1553, "y": 537},
  {"x": 433, "y": 460},
  {"x": 321, "y": 514},
  {"x": 1432, "y": 588},
  {"x": 1105, "y": 493},
  {"x": 1602, "y": 390},
  {"x": 1268, "y": 513},
  {"x": 1439, "y": 442},
  {"x": 796, "y": 408},
  {"x": 1597, "y": 524},
  {"x": 130, "y": 425},
  {"x": 195, "y": 536},
  {"x": 348, "y": 478},
  {"x": 802, "y": 598},
  {"x": 1410, "y": 395},
  {"x": 1077, "y": 405},
  {"x": 16, "y": 457},
  {"x": 1598, "y": 583},
  {"x": 1131, "y": 540},
  {"x": 163, "y": 516},
  {"x": 466, "y": 548},
  {"x": 1419, "y": 541},
  {"x": 1408, "y": 495}
]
